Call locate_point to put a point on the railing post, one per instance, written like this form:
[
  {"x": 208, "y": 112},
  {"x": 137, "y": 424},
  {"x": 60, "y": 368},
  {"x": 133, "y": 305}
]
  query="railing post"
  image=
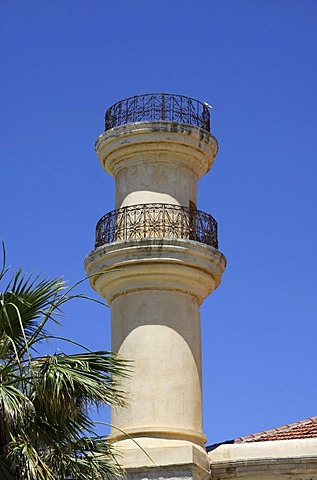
[
  {"x": 135, "y": 108},
  {"x": 144, "y": 221},
  {"x": 181, "y": 108},
  {"x": 143, "y": 113},
  {"x": 206, "y": 118},
  {"x": 189, "y": 103},
  {"x": 163, "y": 107},
  {"x": 127, "y": 111},
  {"x": 125, "y": 223}
]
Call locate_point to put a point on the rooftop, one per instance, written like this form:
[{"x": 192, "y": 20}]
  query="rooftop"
[
  {"x": 294, "y": 431},
  {"x": 303, "y": 429}
]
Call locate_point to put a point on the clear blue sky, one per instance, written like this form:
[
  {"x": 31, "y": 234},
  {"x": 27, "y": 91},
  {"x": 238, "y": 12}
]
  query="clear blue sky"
[{"x": 64, "y": 62}]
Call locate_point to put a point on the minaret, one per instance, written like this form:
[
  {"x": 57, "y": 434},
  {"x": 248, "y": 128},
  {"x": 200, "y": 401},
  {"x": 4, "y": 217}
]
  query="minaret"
[{"x": 156, "y": 259}]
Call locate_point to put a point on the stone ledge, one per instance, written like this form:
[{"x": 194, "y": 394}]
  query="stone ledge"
[
  {"x": 170, "y": 264},
  {"x": 175, "y": 455},
  {"x": 168, "y": 142}
]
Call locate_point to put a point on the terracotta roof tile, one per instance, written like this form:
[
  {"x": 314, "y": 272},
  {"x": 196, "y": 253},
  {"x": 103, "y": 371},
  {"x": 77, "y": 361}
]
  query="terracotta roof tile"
[
  {"x": 303, "y": 429},
  {"x": 299, "y": 430}
]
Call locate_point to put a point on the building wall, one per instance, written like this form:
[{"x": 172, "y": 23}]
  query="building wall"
[{"x": 270, "y": 460}]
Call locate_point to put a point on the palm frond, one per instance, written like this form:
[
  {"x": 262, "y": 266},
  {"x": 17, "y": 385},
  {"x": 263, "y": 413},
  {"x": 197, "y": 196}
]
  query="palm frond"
[
  {"x": 46, "y": 431},
  {"x": 26, "y": 461},
  {"x": 5, "y": 473},
  {"x": 4, "y": 269},
  {"x": 68, "y": 384},
  {"x": 93, "y": 458},
  {"x": 23, "y": 302}
]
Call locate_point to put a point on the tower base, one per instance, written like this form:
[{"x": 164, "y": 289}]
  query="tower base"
[
  {"x": 173, "y": 472},
  {"x": 177, "y": 461}
]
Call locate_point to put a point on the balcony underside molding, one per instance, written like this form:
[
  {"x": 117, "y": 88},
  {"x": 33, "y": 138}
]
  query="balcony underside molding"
[
  {"x": 170, "y": 264},
  {"x": 157, "y": 142}
]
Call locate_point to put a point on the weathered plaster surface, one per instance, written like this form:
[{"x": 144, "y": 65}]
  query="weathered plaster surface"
[
  {"x": 156, "y": 162},
  {"x": 155, "y": 288},
  {"x": 284, "y": 459}
]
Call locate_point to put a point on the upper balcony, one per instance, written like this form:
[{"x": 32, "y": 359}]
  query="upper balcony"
[
  {"x": 155, "y": 107},
  {"x": 156, "y": 220}
]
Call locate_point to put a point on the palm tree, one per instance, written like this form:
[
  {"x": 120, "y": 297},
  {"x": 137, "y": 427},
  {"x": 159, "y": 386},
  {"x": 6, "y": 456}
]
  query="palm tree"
[{"x": 46, "y": 432}]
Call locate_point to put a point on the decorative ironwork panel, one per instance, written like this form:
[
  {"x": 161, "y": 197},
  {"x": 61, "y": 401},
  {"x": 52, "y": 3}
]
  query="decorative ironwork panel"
[
  {"x": 156, "y": 220},
  {"x": 157, "y": 107}
]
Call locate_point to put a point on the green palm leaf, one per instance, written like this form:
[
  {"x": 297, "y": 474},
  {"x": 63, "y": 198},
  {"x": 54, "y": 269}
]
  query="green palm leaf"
[{"x": 46, "y": 432}]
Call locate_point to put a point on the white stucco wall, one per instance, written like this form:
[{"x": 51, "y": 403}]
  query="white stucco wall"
[{"x": 271, "y": 460}]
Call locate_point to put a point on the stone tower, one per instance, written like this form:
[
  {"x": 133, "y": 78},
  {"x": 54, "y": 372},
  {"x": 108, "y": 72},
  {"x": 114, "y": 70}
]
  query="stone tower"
[{"x": 156, "y": 259}]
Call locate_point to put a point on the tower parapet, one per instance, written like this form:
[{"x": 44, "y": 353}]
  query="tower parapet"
[
  {"x": 156, "y": 259},
  {"x": 153, "y": 107}
]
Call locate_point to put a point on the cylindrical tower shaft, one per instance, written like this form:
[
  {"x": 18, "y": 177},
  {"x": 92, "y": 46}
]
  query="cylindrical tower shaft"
[
  {"x": 166, "y": 325},
  {"x": 155, "y": 261},
  {"x": 156, "y": 162}
]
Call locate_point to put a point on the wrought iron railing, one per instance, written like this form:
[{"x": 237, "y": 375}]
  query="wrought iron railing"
[
  {"x": 158, "y": 107},
  {"x": 156, "y": 220}
]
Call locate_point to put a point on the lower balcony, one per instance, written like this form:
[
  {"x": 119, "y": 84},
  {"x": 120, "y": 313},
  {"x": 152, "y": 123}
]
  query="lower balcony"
[{"x": 156, "y": 220}]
